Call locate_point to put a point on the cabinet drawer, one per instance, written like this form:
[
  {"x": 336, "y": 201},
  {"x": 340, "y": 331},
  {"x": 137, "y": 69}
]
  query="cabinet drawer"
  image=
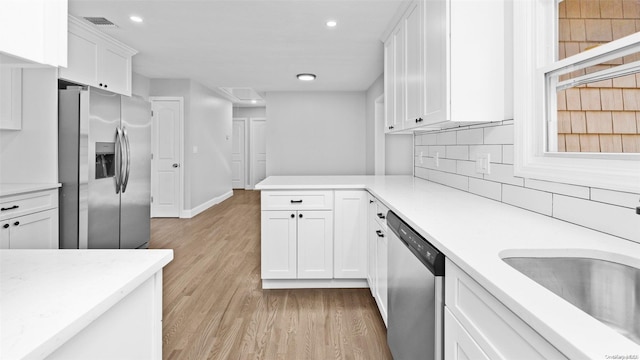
[
  {"x": 297, "y": 200},
  {"x": 18, "y": 205},
  {"x": 499, "y": 332},
  {"x": 381, "y": 214}
]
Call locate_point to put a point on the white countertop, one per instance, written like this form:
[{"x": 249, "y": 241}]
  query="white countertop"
[
  {"x": 475, "y": 233},
  {"x": 7, "y": 189},
  {"x": 48, "y": 296}
]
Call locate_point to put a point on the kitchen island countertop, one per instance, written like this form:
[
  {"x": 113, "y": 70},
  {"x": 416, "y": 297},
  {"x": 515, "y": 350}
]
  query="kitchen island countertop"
[
  {"x": 476, "y": 233},
  {"x": 48, "y": 296}
]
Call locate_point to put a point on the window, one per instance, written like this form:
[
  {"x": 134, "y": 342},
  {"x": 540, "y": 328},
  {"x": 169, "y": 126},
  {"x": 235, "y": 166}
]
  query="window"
[{"x": 577, "y": 102}]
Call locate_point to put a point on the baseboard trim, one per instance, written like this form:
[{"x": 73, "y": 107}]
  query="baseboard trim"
[
  {"x": 188, "y": 214},
  {"x": 314, "y": 283}
]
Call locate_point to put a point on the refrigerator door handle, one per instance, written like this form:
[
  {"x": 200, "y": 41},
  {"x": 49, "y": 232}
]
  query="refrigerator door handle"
[
  {"x": 118, "y": 174},
  {"x": 125, "y": 136}
]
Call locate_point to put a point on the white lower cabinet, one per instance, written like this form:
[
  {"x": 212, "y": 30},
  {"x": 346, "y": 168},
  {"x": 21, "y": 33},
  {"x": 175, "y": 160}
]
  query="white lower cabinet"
[
  {"x": 377, "y": 254},
  {"x": 350, "y": 242},
  {"x": 297, "y": 244},
  {"x": 29, "y": 221},
  {"x": 498, "y": 332},
  {"x": 458, "y": 344}
]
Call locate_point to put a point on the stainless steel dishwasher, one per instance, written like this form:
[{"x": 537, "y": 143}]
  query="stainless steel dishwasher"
[{"x": 416, "y": 294}]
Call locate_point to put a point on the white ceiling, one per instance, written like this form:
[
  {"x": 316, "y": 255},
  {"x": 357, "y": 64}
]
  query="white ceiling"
[{"x": 261, "y": 44}]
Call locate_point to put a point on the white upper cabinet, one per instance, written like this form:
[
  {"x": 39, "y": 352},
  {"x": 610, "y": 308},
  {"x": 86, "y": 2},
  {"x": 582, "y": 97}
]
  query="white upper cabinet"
[
  {"x": 34, "y": 32},
  {"x": 456, "y": 64},
  {"x": 10, "y": 98},
  {"x": 97, "y": 60}
]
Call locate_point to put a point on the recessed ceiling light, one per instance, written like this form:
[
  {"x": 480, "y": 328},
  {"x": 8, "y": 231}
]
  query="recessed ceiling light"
[
  {"x": 135, "y": 18},
  {"x": 306, "y": 77},
  {"x": 254, "y": 101},
  {"x": 331, "y": 23}
]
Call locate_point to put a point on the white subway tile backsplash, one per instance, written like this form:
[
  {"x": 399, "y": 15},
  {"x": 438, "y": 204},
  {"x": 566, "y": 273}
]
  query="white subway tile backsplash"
[
  {"x": 494, "y": 151},
  {"x": 611, "y": 219},
  {"x": 421, "y": 173},
  {"x": 558, "y": 188},
  {"x": 457, "y": 152},
  {"x": 447, "y": 165},
  {"x": 453, "y": 180},
  {"x": 507, "y": 154},
  {"x": 467, "y": 168},
  {"x": 429, "y": 139},
  {"x": 489, "y": 189},
  {"x": 534, "y": 200},
  {"x": 619, "y": 198},
  {"x": 441, "y": 150},
  {"x": 503, "y": 173},
  {"x": 499, "y": 135},
  {"x": 446, "y": 138},
  {"x": 471, "y": 136}
]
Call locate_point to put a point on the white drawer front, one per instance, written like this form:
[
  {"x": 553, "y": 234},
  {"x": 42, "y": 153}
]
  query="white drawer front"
[
  {"x": 381, "y": 214},
  {"x": 499, "y": 332},
  {"x": 297, "y": 200},
  {"x": 18, "y": 205}
]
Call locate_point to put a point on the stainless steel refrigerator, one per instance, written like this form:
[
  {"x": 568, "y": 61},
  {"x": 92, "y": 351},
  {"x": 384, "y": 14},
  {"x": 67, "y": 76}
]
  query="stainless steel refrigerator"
[{"x": 104, "y": 165}]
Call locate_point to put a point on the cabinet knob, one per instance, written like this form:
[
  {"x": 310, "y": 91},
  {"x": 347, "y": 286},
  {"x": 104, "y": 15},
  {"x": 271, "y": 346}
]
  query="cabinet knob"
[
  {"x": 5, "y": 226},
  {"x": 16, "y": 223},
  {"x": 416, "y": 121},
  {"x": 105, "y": 86},
  {"x": 300, "y": 216},
  {"x": 390, "y": 127},
  {"x": 100, "y": 84},
  {"x": 379, "y": 233},
  {"x": 381, "y": 216},
  {"x": 370, "y": 201},
  {"x": 292, "y": 216},
  {"x": 419, "y": 119}
]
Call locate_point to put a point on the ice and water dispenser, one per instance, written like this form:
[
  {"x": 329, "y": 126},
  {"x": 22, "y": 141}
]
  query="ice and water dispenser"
[{"x": 105, "y": 160}]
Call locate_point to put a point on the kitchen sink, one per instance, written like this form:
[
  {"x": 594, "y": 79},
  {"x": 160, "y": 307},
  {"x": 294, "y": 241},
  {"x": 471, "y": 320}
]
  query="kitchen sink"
[{"x": 607, "y": 291}]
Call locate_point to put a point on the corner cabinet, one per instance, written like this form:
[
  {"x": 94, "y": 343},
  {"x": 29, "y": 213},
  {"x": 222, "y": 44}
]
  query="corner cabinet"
[
  {"x": 438, "y": 74},
  {"x": 479, "y": 326},
  {"x": 96, "y": 59},
  {"x": 29, "y": 221}
]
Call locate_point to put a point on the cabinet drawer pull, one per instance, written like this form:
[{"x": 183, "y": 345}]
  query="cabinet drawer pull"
[
  {"x": 296, "y": 201},
  {"x": 16, "y": 223},
  {"x": 379, "y": 233},
  {"x": 381, "y": 216},
  {"x": 10, "y": 208},
  {"x": 5, "y": 226},
  {"x": 370, "y": 201}
]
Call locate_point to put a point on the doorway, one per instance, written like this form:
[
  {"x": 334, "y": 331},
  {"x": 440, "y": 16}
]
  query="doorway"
[
  {"x": 167, "y": 156},
  {"x": 239, "y": 154}
]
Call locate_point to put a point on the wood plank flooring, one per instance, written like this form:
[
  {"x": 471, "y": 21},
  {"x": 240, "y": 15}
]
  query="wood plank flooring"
[{"x": 214, "y": 307}]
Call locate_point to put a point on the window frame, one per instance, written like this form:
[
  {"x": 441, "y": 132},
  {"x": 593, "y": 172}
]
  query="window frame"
[{"x": 535, "y": 50}]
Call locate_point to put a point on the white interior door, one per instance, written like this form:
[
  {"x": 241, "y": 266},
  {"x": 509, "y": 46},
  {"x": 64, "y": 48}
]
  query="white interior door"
[
  {"x": 258, "y": 150},
  {"x": 166, "y": 173},
  {"x": 238, "y": 151}
]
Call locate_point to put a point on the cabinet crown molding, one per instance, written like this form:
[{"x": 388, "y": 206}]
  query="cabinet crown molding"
[{"x": 84, "y": 25}]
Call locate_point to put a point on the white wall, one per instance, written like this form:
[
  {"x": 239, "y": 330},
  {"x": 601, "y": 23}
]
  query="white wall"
[
  {"x": 316, "y": 133},
  {"x": 210, "y": 132},
  {"x": 398, "y": 158},
  {"x": 207, "y": 122},
  {"x": 375, "y": 90},
  {"x": 140, "y": 85},
  {"x": 249, "y": 112},
  {"x": 30, "y": 155}
]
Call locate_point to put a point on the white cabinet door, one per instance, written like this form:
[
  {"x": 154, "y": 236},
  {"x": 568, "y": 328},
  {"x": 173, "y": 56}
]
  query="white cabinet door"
[
  {"x": 34, "y": 231},
  {"x": 278, "y": 245},
  {"x": 34, "y": 31},
  {"x": 372, "y": 239},
  {"x": 114, "y": 71},
  {"x": 382, "y": 249},
  {"x": 435, "y": 55},
  {"x": 389, "y": 85},
  {"x": 413, "y": 55},
  {"x": 399, "y": 75},
  {"x": 4, "y": 234},
  {"x": 315, "y": 244},
  {"x": 458, "y": 344},
  {"x": 350, "y": 241},
  {"x": 82, "y": 64},
  {"x": 10, "y": 98}
]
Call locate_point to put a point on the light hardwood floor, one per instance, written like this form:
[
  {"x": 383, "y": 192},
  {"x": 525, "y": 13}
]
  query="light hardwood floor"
[{"x": 214, "y": 307}]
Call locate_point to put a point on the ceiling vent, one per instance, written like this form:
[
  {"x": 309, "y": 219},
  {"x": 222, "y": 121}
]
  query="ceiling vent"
[{"x": 101, "y": 22}]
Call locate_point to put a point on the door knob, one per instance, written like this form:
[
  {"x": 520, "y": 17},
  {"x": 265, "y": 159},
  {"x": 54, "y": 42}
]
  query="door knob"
[{"x": 176, "y": 165}]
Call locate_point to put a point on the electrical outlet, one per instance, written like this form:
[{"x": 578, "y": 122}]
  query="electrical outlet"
[
  {"x": 482, "y": 164},
  {"x": 437, "y": 159},
  {"x": 421, "y": 158}
]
